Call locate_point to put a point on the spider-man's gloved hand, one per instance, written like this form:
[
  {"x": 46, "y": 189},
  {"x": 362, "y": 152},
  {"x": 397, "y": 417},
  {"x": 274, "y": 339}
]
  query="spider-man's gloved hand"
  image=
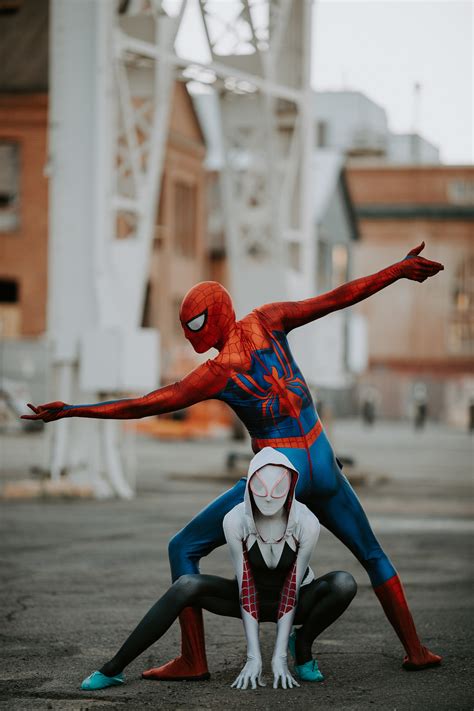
[
  {"x": 48, "y": 412},
  {"x": 418, "y": 268}
]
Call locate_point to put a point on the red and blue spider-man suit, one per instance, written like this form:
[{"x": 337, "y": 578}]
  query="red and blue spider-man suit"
[{"x": 256, "y": 375}]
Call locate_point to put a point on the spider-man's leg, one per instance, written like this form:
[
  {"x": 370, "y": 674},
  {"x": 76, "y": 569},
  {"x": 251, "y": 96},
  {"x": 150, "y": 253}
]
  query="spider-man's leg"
[
  {"x": 196, "y": 540},
  {"x": 344, "y": 516}
]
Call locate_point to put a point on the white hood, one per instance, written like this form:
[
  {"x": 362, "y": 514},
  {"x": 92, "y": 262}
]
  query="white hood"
[{"x": 268, "y": 455}]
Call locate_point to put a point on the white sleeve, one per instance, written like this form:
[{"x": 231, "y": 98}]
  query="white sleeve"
[{"x": 233, "y": 531}]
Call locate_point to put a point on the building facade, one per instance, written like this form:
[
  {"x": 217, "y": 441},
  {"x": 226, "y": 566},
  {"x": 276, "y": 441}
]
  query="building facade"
[
  {"x": 23, "y": 214},
  {"x": 352, "y": 123},
  {"x": 419, "y": 333},
  {"x": 179, "y": 258}
]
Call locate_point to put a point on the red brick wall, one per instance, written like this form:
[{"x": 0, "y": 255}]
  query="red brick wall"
[
  {"x": 409, "y": 324},
  {"x": 406, "y": 185},
  {"x": 23, "y": 252}
]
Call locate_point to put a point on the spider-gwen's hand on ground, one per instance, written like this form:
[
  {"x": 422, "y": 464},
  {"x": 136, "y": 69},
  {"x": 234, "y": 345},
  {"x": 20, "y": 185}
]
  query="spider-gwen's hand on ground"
[
  {"x": 418, "y": 268},
  {"x": 48, "y": 412},
  {"x": 281, "y": 673},
  {"x": 250, "y": 674}
]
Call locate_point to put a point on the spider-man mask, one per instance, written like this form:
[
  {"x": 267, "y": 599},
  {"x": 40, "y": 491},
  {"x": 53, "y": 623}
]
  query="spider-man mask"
[{"x": 207, "y": 316}]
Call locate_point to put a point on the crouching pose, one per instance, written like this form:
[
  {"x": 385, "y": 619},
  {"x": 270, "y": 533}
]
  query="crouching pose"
[{"x": 271, "y": 538}]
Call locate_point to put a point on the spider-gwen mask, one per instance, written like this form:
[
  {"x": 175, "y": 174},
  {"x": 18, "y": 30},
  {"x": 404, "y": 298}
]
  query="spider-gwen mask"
[
  {"x": 207, "y": 316},
  {"x": 270, "y": 486}
]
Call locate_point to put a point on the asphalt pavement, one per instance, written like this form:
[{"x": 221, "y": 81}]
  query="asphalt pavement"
[{"x": 78, "y": 575}]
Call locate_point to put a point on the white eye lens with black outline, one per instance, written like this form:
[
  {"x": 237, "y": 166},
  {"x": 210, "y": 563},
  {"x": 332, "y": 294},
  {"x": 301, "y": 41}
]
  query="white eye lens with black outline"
[{"x": 198, "y": 322}]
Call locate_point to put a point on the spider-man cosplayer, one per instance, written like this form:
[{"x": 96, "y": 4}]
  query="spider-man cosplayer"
[{"x": 256, "y": 375}]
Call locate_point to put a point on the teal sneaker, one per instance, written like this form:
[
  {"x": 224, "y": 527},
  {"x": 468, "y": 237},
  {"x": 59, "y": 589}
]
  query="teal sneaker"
[
  {"x": 309, "y": 671},
  {"x": 97, "y": 680}
]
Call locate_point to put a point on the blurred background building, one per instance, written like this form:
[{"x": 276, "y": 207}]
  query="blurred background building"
[
  {"x": 271, "y": 188},
  {"x": 429, "y": 336}
]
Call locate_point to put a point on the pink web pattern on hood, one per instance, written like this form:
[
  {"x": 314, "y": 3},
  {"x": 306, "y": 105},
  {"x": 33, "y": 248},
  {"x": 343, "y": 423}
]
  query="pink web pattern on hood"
[
  {"x": 249, "y": 596},
  {"x": 288, "y": 593}
]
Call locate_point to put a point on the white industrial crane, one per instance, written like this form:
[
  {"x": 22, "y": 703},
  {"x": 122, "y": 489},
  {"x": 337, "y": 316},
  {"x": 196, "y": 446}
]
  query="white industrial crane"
[{"x": 113, "y": 65}]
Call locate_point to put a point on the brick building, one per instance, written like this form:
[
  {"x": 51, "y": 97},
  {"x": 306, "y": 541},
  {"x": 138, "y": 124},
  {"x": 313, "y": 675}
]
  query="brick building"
[
  {"x": 419, "y": 333},
  {"x": 179, "y": 258},
  {"x": 179, "y": 255},
  {"x": 23, "y": 214},
  {"x": 23, "y": 160}
]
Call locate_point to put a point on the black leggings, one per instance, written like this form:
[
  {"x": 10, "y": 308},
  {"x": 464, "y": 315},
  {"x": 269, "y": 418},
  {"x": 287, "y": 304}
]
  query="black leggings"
[{"x": 320, "y": 603}]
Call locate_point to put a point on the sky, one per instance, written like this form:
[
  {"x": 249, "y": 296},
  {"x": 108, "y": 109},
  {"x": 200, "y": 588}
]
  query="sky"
[{"x": 383, "y": 48}]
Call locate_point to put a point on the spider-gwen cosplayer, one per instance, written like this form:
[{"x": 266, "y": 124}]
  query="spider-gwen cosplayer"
[
  {"x": 255, "y": 373},
  {"x": 271, "y": 538}
]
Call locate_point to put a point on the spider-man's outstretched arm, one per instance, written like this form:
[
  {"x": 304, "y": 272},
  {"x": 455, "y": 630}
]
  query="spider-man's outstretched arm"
[
  {"x": 287, "y": 315},
  {"x": 202, "y": 383}
]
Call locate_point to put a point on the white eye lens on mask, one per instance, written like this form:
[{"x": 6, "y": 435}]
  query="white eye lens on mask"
[
  {"x": 198, "y": 322},
  {"x": 281, "y": 487},
  {"x": 257, "y": 486}
]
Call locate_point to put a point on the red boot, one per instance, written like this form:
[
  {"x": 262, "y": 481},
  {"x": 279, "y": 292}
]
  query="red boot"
[
  {"x": 393, "y": 600},
  {"x": 192, "y": 664}
]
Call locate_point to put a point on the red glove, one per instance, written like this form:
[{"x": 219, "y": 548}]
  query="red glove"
[
  {"x": 48, "y": 412},
  {"x": 418, "y": 268}
]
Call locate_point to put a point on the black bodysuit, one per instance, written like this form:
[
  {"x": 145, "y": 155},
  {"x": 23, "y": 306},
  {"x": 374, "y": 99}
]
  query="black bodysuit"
[{"x": 270, "y": 581}]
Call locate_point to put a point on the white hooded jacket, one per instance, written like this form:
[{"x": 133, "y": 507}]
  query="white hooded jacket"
[
  {"x": 300, "y": 518},
  {"x": 301, "y": 534}
]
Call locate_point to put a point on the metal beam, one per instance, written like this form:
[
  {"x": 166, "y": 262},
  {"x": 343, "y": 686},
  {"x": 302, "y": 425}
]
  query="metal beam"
[{"x": 223, "y": 71}]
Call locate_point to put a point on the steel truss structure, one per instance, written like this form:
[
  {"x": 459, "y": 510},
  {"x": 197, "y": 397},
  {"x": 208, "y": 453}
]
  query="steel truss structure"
[{"x": 259, "y": 70}]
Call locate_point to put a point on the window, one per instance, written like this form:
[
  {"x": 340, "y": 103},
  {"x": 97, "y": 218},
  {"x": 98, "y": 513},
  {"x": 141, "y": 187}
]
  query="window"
[
  {"x": 9, "y": 309},
  {"x": 9, "y": 185},
  {"x": 461, "y": 327},
  {"x": 185, "y": 211},
  {"x": 8, "y": 291},
  {"x": 10, "y": 7},
  {"x": 461, "y": 192}
]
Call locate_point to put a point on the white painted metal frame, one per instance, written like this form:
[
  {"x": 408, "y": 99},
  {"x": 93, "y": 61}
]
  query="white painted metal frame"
[
  {"x": 266, "y": 174},
  {"x": 260, "y": 64},
  {"x": 266, "y": 177}
]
